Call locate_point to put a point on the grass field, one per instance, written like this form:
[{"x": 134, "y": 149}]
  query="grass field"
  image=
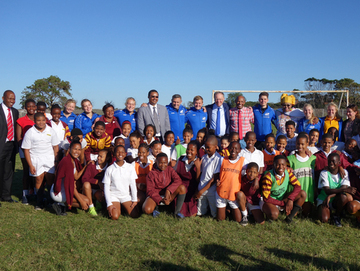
[{"x": 40, "y": 240}]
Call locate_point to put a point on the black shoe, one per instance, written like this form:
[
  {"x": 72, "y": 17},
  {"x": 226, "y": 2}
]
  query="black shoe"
[
  {"x": 337, "y": 221},
  {"x": 63, "y": 210},
  {"x": 56, "y": 208}
]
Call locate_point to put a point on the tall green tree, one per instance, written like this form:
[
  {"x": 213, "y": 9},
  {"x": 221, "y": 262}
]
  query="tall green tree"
[
  {"x": 354, "y": 90},
  {"x": 51, "y": 90}
]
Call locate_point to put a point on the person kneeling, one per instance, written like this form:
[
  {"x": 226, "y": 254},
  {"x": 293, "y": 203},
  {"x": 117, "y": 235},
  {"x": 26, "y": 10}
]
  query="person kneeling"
[
  {"x": 163, "y": 185},
  {"x": 275, "y": 184},
  {"x": 120, "y": 186},
  {"x": 335, "y": 191}
]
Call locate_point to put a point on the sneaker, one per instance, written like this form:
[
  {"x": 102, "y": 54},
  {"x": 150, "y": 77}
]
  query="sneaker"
[
  {"x": 337, "y": 221},
  {"x": 244, "y": 221},
  {"x": 38, "y": 208},
  {"x": 56, "y": 208},
  {"x": 63, "y": 210},
  {"x": 288, "y": 220},
  {"x": 180, "y": 215},
  {"x": 24, "y": 200},
  {"x": 155, "y": 213},
  {"x": 92, "y": 211}
]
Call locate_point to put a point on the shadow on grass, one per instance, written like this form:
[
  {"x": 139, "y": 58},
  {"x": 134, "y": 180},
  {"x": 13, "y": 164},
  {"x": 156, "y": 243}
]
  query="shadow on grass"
[
  {"x": 222, "y": 254},
  {"x": 317, "y": 262},
  {"x": 159, "y": 266}
]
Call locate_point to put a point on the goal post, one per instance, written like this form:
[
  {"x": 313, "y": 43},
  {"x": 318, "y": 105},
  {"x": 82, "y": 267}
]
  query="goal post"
[{"x": 286, "y": 91}]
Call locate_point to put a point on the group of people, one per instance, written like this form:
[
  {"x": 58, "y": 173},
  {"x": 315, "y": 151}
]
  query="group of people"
[{"x": 202, "y": 160}]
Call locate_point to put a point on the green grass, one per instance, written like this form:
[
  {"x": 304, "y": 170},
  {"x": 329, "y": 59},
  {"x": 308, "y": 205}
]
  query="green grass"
[{"x": 40, "y": 240}]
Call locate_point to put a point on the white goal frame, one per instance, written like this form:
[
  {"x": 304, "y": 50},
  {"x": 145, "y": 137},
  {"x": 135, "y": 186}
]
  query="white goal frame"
[{"x": 287, "y": 91}]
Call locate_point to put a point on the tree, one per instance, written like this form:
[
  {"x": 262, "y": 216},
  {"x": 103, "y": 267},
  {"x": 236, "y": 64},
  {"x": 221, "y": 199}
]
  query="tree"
[
  {"x": 51, "y": 90},
  {"x": 354, "y": 90},
  {"x": 231, "y": 97}
]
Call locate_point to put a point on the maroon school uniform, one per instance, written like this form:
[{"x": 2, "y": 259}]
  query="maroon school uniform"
[
  {"x": 157, "y": 182},
  {"x": 93, "y": 176},
  {"x": 202, "y": 152},
  {"x": 189, "y": 207},
  {"x": 252, "y": 196},
  {"x": 113, "y": 128}
]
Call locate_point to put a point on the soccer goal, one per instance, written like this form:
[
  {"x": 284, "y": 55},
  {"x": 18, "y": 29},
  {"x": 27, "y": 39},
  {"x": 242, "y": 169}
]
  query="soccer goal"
[{"x": 288, "y": 91}]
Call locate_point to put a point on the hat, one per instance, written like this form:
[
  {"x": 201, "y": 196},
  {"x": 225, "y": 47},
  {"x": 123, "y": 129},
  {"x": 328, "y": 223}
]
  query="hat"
[{"x": 287, "y": 99}]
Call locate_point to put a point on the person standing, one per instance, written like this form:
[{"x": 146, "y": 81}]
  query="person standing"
[
  {"x": 218, "y": 115},
  {"x": 264, "y": 115},
  {"x": 240, "y": 119},
  {"x": 128, "y": 113},
  {"x": 154, "y": 114},
  {"x": 8, "y": 144},
  {"x": 196, "y": 117},
  {"x": 176, "y": 113}
]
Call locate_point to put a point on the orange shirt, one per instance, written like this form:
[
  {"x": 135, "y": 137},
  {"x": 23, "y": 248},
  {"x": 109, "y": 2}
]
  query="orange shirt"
[
  {"x": 328, "y": 123},
  {"x": 230, "y": 178},
  {"x": 269, "y": 158},
  {"x": 142, "y": 172}
]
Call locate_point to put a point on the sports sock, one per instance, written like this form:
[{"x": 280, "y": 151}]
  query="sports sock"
[
  {"x": 179, "y": 203},
  {"x": 244, "y": 213},
  {"x": 295, "y": 209}
]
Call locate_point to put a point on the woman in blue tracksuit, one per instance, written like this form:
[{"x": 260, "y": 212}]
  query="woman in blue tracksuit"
[{"x": 196, "y": 117}]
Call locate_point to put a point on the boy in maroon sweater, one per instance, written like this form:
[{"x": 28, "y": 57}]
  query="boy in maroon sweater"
[{"x": 163, "y": 185}]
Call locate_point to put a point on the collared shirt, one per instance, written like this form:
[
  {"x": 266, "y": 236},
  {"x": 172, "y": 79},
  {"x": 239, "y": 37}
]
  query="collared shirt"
[
  {"x": 158, "y": 134},
  {"x": 6, "y": 112},
  {"x": 247, "y": 117},
  {"x": 256, "y": 156},
  {"x": 209, "y": 166},
  {"x": 222, "y": 121}
]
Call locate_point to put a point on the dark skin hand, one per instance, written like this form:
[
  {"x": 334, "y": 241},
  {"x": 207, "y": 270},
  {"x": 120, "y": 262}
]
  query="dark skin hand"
[{"x": 166, "y": 200}]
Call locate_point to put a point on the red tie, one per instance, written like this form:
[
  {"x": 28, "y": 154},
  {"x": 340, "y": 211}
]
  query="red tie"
[
  {"x": 240, "y": 126},
  {"x": 10, "y": 126}
]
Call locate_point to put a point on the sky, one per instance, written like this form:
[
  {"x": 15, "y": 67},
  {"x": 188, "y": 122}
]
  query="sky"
[{"x": 111, "y": 50}]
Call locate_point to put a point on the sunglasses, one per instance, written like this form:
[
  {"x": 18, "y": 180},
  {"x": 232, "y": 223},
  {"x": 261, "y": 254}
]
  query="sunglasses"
[{"x": 286, "y": 105}]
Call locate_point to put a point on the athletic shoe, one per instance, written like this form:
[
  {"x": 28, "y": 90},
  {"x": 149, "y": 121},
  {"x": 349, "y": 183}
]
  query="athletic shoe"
[
  {"x": 244, "y": 221},
  {"x": 63, "y": 210},
  {"x": 38, "y": 208},
  {"x": 56, "y": 208},
  {"x": 337, "y": 221},
  {"x": 92, "y": 211},
  {"x": 155, "y": 213},
  {"x": 288, "y": 220},
  {"x": 180, "y": 216},
  {"x": 24, "y": 200}
]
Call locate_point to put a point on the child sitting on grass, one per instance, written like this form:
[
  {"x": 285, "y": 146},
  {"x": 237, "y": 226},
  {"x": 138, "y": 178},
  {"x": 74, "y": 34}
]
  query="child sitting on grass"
[
  {"x": 210, "y": 166},
  {"x": 290, "y": 135},
  {"x": 229, "y": 183},
  {"x": 96, "y": 140},
  {"x": 76, "y": 133},
  {"x": 142, "y": 167},
  {"x": 120, "y": 186},
  {"x": 64, "y": 189},
  {"x": 304, "y": 167},
  {"x": 335, "y": 191},
  {"x": 313, "y": 138},
  {"x": 281, "y": 143},
  {"x": 92, "y": 180},
  {"x": 188, "y": 169},
  {"x": 249, "y": 195},
  {"x": 224, "y": 143},
  {"x": 275, "y": 184},
  {"x": 163, "y": 185},
  {"x": 40, "y": 145},
  {"x": 269, "y": 152}
]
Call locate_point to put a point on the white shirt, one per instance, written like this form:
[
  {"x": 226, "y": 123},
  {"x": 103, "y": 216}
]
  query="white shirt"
[
  {"x": 256, "y": 157},
  {"x": 6, "y": 112},
  {"x": 40, "y": 143},
  {"x": 209, "y": 167},
  {"x": 313, "y": 149},
  {"x": 324, "y": 181},
  {"x": 186, "y": 161},
  {"x": 167, "y": 150},
  {"x": 120, "y": 181},
  {"x": 132, "y": 152},
  {"x": 214, "y": 119},
  {"x": 339, "y": 146},
  {"x": 59, "y": 129},
  {"x": 157, "y": 112}
]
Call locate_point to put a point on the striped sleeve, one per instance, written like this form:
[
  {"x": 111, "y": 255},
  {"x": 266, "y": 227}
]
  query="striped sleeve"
[
  {"x": 266, "y": 185},
  {"x": 107, "y": 142},
  {"x": 67, "y": 132},
  {"x": 297, "y": 187}
]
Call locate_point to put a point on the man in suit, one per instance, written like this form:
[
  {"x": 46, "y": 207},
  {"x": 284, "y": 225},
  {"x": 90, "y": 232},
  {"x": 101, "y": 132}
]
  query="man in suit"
[
  {"x": 218, "y": 115},
  {"x": 154, "y": 114},
  {"x": 8, "y": 144}
]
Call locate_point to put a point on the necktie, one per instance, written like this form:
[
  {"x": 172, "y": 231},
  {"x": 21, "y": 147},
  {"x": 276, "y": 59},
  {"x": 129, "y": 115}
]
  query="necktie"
[
  {"x": 156, "y": 120},
  {"x": 217, "y": 130},
  {"x": 240, "y": 126},
  {"x": 10, "y": 126}
]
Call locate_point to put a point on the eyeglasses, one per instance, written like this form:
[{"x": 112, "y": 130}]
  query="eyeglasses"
[{"x": 286, "y": 105}]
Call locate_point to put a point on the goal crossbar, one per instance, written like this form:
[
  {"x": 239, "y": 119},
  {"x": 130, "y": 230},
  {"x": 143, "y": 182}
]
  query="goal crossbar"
[{"x": 287, "y": 91}]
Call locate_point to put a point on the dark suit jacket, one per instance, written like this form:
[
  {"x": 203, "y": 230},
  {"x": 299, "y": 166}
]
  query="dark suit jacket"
[
  {"x": 3, "y": 127},
  {"x": 209, "y": 109},
  {"x": 355, "y": 128}
]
